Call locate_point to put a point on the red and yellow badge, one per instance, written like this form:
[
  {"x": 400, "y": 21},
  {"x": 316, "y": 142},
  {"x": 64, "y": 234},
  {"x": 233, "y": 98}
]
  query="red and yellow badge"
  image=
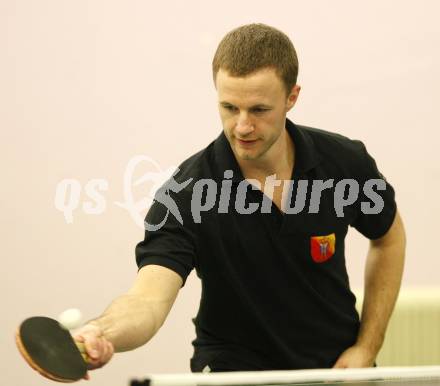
[{"x": 322, "y": 247}]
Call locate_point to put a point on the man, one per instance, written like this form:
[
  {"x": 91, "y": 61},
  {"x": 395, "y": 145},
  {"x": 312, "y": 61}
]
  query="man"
[{"x": 275, "y": 291}]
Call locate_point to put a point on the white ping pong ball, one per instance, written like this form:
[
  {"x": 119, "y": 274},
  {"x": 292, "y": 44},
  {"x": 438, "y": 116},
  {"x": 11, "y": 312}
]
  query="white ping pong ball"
[{"x": 70, "y": 318}]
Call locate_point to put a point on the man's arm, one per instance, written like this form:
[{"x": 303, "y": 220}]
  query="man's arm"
[
  {"x": 383, "y": 275},
  {"x": 132, "y": 319}
]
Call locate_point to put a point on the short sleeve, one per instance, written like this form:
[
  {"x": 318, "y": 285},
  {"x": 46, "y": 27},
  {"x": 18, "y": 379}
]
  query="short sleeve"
[
  {"x": 373, "y": 225},
  {"x": 171, "y": 245}
]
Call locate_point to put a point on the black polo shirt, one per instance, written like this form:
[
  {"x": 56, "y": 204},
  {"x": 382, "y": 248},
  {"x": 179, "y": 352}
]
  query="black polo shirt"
[{"x": 275, "y": 290}]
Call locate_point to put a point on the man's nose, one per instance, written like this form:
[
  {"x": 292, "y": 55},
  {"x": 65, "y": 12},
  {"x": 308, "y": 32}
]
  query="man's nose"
[{"x": 244, "y": 125}]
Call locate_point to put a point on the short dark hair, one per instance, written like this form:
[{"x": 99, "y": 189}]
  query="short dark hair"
[{"x": 256, "y": 46}]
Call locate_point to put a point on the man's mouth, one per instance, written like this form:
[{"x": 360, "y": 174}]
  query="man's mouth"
[{"x": 246, "y": 142}]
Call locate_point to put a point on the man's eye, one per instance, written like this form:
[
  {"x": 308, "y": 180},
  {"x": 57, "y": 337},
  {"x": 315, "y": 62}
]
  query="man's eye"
[{"x": 256, "y": 110}]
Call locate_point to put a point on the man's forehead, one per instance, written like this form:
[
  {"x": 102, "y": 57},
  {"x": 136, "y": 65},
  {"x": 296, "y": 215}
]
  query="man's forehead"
[{"x": 260, "y": 87}]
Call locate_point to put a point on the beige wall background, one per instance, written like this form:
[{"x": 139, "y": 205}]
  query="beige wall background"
[{"x": 87, "y": 85}]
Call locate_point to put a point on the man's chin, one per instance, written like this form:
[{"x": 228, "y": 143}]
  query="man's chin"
[{"x": 247, "y": 155}]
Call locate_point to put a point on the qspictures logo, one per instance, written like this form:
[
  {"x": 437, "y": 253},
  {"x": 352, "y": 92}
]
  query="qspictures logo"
[
  {"x": 71, "y": 196},
  {"x": 208, "y": 194}
]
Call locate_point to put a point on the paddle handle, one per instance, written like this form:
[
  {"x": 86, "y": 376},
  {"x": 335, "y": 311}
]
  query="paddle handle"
[{"x": 82, "y": 349}]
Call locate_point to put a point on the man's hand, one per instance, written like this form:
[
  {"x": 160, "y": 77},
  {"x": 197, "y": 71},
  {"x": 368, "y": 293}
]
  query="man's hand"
[
  {"x": 355, "y": 357},
  {"x": 98, "y": 349}
]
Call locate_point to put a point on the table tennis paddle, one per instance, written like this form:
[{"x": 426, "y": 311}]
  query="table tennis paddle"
[{"x": 51, "y": 350}]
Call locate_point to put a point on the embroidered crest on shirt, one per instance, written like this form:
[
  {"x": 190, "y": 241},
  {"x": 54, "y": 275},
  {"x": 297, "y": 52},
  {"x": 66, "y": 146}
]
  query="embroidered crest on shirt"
[{"x": 322, "y": 247}]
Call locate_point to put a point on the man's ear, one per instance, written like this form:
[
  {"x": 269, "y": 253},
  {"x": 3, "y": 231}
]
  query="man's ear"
[{"x": 293, "y": 97}]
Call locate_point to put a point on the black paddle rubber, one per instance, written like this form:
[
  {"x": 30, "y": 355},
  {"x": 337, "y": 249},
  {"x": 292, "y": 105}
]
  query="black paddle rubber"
[{"x": 50, "y": 349}]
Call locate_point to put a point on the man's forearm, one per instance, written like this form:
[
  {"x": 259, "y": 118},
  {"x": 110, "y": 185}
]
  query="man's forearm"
[
  {"x": 383, "y": 275},
  {"x": 130, "y": 321}
]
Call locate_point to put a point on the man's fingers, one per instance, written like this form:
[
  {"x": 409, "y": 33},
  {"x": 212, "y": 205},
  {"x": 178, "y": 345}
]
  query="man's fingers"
[
  {"x": 79, "y": 338},
  {"x": 110, "y": 351},
  {"x": 339, "y": 365},
  {"x": 93, "y": 347},
  {"x": 98, "y": 350},
  {"x": 106, "y": 353}
]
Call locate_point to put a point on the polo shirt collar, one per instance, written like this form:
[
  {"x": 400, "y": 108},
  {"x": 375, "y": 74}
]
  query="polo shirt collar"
[
  {"x": 306, "y": 154},
  {"x": 306, "y": 157}
]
